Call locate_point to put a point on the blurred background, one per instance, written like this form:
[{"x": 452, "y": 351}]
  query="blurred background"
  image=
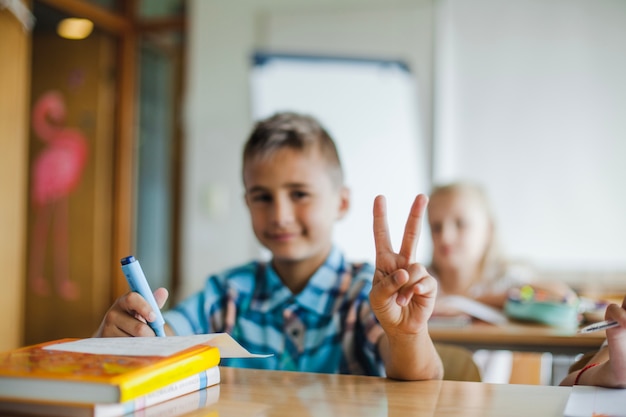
[{"x": 146, "y": 116}]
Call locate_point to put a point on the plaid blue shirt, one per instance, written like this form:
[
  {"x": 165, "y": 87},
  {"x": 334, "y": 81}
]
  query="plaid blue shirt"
[{"x": 329, "y": 327}]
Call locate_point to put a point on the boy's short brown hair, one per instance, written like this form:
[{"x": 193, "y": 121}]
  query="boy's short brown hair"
[{"x": 293, "y": 130}]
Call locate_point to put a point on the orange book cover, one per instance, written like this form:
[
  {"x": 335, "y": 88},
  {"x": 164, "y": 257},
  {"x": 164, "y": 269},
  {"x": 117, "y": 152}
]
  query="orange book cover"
[{"x": 35, "y": 373}]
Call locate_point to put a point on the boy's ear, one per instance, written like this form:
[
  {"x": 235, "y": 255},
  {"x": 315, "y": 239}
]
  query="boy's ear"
[{"x": 344, "y": 202}]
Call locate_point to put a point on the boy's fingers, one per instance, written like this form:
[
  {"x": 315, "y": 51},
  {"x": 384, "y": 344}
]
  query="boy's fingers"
[
  {"x": 137, "y": 328},
  {"x": 426, "y": 284},
  {"x": 406, "y": 284},
  {"x": 413, "y": 227},
  {"x": 421, "y": 283},
  {"x": 390, "y": 284},
  {"x": 133, "y": 325},
  {"x": 136, "y": 304},
  {"x": 382, "y": 241},
  {"x": 128, "y": 316},
  {"x": 140, "y": 318},
  {"x": 161, "y": 295},
  {"x": 118, "y": 323}
]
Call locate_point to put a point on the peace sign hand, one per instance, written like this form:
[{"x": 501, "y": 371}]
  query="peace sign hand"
[{"x": 403, "y": 293}]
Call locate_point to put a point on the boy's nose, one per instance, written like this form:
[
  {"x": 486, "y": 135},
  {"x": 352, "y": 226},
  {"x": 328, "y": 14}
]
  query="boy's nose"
[{"x": 283, "y": 211}]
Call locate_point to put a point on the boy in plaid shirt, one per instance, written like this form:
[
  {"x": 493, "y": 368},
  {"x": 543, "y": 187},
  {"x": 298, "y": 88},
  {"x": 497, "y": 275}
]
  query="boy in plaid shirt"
[{"x": 308, "y": 306}]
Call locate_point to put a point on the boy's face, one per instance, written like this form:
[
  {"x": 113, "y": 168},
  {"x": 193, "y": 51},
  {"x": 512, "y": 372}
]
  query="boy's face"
[
  {"x": 460, "y": 229},
  {"x": 293, "y": 203}
]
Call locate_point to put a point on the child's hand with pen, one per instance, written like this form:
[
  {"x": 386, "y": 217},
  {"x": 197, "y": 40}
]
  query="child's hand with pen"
[
  {"x": 607, "y": 368},
  {"x": 136, "y": 313},
  {"x": 616, "y": 339}
]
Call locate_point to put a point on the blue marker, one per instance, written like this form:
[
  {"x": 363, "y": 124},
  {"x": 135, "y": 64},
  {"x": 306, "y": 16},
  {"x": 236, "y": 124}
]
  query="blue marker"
[{"x": 138, "y": 283}]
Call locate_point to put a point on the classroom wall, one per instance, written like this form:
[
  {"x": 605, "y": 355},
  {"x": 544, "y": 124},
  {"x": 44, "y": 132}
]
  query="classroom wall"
[
  {"x": 535, "y": 85},
  {"x": 530, "y": 101}
]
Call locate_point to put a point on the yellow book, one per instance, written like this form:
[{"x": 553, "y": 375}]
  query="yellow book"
[
  {"x": 36, "y": 373},
  {"x": 204, "y": 389}
]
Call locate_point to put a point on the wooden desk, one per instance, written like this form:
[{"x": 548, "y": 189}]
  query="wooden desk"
[
  {"x": 246, "y": 392},
  {"x": 519, "y": 337},
  {"x": 258, "y": 393}
]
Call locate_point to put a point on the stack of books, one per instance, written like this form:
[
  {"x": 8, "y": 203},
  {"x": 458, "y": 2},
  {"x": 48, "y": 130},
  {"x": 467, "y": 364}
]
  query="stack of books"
[{"x": 46, "y": 380}]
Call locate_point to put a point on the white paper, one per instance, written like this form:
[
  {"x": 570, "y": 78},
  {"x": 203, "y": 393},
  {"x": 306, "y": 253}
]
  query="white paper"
[
  {"x": 474, "y": 308},
  {"x": 586, "y": 401},
  {"x": 156, "y": 346}
]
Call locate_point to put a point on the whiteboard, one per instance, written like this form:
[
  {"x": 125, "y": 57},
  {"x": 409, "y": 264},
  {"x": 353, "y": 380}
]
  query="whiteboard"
[{"x": 370, "y": 108}]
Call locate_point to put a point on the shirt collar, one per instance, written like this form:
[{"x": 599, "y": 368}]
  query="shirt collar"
[{"x": 319, "y": 295}]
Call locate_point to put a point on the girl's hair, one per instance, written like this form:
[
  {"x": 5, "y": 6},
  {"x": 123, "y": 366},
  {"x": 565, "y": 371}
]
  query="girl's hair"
[
  {"x": 493, "y": 262},
  {"x": 295, "y": 131}
]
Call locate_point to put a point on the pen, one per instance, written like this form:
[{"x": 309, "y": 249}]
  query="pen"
[
  {"x": 601, "y": 325},
  {"x": 138, "y": 283}
]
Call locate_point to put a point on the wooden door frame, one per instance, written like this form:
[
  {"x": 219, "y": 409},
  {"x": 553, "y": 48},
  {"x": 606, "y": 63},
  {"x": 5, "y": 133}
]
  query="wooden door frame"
[
  {"x": 14, "y": 115},
  {"x": 127, "y": 27}
]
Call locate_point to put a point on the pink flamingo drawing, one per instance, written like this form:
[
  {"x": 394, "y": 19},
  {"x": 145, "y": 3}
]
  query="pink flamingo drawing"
[{"x": 56, "y": 172}]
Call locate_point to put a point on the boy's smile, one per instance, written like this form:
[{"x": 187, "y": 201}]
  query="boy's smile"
[
  {"x": 282, "y": 237},
  {"x": 293, "y": 205}
]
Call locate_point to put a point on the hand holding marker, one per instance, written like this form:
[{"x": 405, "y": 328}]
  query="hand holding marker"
[{"x": 138, "y": 283}]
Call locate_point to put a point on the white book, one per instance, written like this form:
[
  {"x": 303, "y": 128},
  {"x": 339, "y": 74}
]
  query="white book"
[
  {"x": 474, "y": 308},
  {"x": 162, "y": 402}
]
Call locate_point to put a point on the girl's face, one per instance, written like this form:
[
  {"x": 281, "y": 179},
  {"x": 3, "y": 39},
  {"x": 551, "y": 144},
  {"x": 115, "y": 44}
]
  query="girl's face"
[{"x": 461, "y": 230}]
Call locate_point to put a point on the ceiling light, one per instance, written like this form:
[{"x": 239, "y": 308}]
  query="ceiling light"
[{"x": 74, "y": 28}]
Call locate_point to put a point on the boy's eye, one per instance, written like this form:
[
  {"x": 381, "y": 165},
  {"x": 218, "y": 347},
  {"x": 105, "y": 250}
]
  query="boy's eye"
[
  {"x": 461, "y": 224},
  {"x": 262, "y": 198},
  {"x": 299, "y": 195},
  {"x": 435, "y": 228}
]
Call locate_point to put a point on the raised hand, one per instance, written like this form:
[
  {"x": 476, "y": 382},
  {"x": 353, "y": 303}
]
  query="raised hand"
[{"x": 403, "y": 293}]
